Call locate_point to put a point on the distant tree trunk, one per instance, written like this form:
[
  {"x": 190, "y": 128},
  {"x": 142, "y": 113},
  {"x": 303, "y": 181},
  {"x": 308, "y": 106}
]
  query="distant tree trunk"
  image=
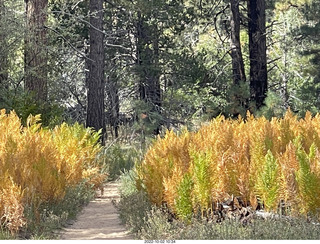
[
  {"x": 258, "y": 54},
  {"x": 284, "y": 87},
  {"x": 36, "y": 70},
  {"x": 95, "y": 78},
  {"x": 3, "y": 47},
  {"x": 236, "y": 54},
  {"x": 114, "y": 105},
  {"x": 148, "y": 62}
]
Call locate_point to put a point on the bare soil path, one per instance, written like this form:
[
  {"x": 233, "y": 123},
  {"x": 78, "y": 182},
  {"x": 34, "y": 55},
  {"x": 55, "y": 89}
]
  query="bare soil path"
[{"x": 99, "y": 220}]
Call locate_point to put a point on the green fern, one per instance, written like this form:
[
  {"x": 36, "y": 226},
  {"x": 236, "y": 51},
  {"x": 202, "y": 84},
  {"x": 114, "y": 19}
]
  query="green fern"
[
  {"x": 308, "y": 183},
  {"x": 184, "y": 202},
  {"x": 202, "y": 175},
  {"x": 312, "y": 151},
  {"x": 268, "y": 182}
]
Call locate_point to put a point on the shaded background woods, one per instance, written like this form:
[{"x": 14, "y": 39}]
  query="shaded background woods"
[{"x": 139, "y": 66}]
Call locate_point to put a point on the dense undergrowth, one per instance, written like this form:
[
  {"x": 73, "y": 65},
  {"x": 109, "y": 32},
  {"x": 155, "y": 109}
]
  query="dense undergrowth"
[
  {"x": 46, "y": 175},
  {"x": 175, "y": 187},
  {"x": 147, "y": 221},
  {"x": 270, "y": 164},
  {"x": 121, "y": 156},
  {"x": 186, "y": 178}
]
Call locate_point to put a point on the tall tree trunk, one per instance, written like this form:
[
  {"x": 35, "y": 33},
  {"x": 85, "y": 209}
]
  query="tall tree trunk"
[
  {"x": 95, "y": 78},
  {"x": 36, "y": 70},
  {"x": 148, "y": 66},
  {"x": 3, "y": 47},
  {"x": 258, "y": 54},
  {"x": 236, "y": 54},
  {"x": 238, "y": 98}
]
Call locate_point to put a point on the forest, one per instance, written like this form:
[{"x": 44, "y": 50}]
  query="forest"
[
  {"x": 157, "y": 64},
  {"x": 113, "y": 84}
]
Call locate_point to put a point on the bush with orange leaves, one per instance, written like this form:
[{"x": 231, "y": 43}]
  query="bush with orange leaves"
[
  {"x": 37, "y": 165},
  {"x": 271, "y": 162}
]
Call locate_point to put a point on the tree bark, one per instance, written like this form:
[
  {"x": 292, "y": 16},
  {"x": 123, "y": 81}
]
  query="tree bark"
[
  {"x": 258, "y": 53},
  {"x": 95, "y": 78},
  {"x": 36, "y": 70},
  {"x": 148, "y": 66},
  {"x": 3, "y": 47},
  {"x": 238, "y": 101},
  {"x": 114, "y": 105},
  {"x": 236, "y": 54}
]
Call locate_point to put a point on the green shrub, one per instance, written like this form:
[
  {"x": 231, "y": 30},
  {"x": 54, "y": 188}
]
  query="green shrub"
[
  {"x": 5, "y": 234},
  {"x": 119, "y": 158},
  {"x": 128, "y": 183},
  {"x": 133, "y": 211},
  {"x": 55, "y": 215},
  {"x": 24, "y": 104}
]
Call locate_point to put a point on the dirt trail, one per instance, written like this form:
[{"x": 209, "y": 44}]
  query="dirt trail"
[{"x": 99, "y": 220}]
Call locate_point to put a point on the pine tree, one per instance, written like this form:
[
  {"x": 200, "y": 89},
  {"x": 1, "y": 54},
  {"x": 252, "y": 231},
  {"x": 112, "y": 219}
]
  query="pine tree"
[
  {"x": 3, "y": 48},
  {"x": 36, "y": 70},
  {"x": 258, "y": 51},
  {"x": 95, "y": 79},
  {"x": 311, "y": 33},
  {"x": 236, "y": 54},
  {"x": 147, "y": 64}
]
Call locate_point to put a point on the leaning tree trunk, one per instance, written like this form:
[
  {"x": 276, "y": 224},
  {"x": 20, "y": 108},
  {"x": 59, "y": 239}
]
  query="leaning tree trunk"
[
  {"x": 36, "y": 70},
  {"x": 258, "y": 53},
  {"x": 95, "y": 79}
]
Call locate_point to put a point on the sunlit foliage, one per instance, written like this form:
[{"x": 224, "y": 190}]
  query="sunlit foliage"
[
  {"x": 265, "y": 162},
  {"x": 37, "y": 165}
]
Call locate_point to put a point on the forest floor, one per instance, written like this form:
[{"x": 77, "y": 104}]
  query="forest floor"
[{"x": 99, "y": 220}]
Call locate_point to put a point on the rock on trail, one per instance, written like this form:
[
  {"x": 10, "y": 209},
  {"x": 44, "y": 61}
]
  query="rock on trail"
[{"x": 99, "y": 220}]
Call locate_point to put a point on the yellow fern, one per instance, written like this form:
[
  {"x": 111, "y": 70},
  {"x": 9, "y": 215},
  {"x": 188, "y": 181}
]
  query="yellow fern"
[
  {"x": 253, "y": 158},
  {"x": 37, "y": 165}
]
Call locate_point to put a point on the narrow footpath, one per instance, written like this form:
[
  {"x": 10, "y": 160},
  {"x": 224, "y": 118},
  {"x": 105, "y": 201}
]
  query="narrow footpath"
[{"x": 99, "y": 220}]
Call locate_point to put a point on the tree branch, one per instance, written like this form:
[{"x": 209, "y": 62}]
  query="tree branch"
[{"x": 68, "y": 43}]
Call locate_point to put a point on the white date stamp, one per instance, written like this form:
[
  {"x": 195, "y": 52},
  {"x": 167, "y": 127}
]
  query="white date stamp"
[{"x": 160, "y": 241}]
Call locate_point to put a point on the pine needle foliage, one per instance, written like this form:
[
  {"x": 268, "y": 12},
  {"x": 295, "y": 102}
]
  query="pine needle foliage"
[
  {"x": 254, "y": 159},
  {"x": 37, "y": 165}
]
